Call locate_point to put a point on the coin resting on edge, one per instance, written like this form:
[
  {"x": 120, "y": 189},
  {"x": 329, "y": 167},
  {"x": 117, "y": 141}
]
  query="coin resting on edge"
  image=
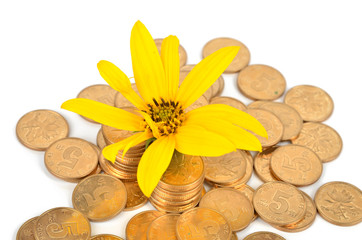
[
  {"x": 135, "y": 197},
  {"x": 26, "y": 231},
  {"x": 137, "y": 226},
  {"x": 163, "y": 227},
  {"x": 181, "y": 51},
  {"x": 38, "y": 129}
]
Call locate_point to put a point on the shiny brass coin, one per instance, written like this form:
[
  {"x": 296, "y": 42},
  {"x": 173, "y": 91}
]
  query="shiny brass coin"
[
  {"x": 202, "y": 224},
  {"x": 262, "y": 165},
  {"x": 163, "y": 227},
  {"x": 112, "y": 135},
  {"x": 100, "y": 93},
  {"x": 272, "y": 125},
  {"x": 62, "y": 224},
  {"x": 176, "y": 202},
  {"x": 179, "y": 196},
  {"x": 71, "y": 158},
  {"x": 322, "y": 139},
  {"x": 261, "y": 82},
  {"x": 263, "y": 235},
  {"x": 106, "y": 237},
  {"x": 241, "y": 60},
  {"x": 181, "y": 51},
  {"x": 229, "y": 101},
  {"x": 234, "y": 236},
  {"x": 174, "y": 209},
  {"x": 38, "y": 129},
  {"x": 249, "y": 193},
  {"x": 26, "y": 231},
  {"x": 279, "y": 203},
  {"x": 137, "y": 226},
  {"x": 100, "y": 197},
  {"x": 232, "y": 204},
  {"x": 200, "y": 102},
  {"x": 122, "y": 102},
  {"x": 100, "y": 140},
  {"x": 135, "y": 197},
  {"x": 296, "y": 165},
  {"x": 257, "y": 104},
  {"x": 339, "y": 203},
  {"x": 312, "y": 103}
]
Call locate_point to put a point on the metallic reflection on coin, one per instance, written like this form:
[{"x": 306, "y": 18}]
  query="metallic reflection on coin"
[
  {"x": 263, "y": 236},
  {"x": 137, "y": 226},
  {"x": 106, "y": 237},
  {"x": 26, "y": 231},
  {"x": 163, "y": 227}
]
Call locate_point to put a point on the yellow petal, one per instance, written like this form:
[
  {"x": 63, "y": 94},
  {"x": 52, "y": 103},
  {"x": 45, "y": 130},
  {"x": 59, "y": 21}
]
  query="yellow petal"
[
  {"x": 105, "y": 114},
  {"x": 204, "y": 74},
  {"x": 229, "y": 114},
  {"x": 154, "y": 163},
  {"x": 196, "y": 140},
  {"x": 151, "y": 123},
  {"x": 147, "y": 65},
  {"x": 171, "y": 64},
  {"x": 110, "y": 152},
  {"x": 119, "y": 82}
]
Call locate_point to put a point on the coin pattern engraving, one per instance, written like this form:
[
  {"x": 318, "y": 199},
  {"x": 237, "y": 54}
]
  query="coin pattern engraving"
[
  {"x": 135, "y": 197},
  {"x": 262, "y": 165},
  {"x": 163, "y": 227},
  {"x": 137, "y": 226},
  {"x": 26, "y": 231}
]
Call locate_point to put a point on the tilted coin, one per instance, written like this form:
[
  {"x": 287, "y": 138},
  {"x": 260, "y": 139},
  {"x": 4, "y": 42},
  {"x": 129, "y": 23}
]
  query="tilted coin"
[
  {"x": 232, "y": 204},
  {"x": 234, "y": 237},
  {"x": 100, "y": 197},
  {"x": 312, "y": 103},
  {"x": 296, "y": 165},
  {"x": 135, "y": 197},
  {"x": 240, "y": 61},
  {"x": 202, "y": 224},
  {"x": 106, "y": 237},
  {"x": 322, "y": 139},
  {"x": 200, "y": 102},
  {"x": 163, "y": 227},
  {"x": 26, "y": 231},
  {"x": 257, "y": 104},
  {"x": 187, "y": 67},
  {"x": 228, "y": 101},
  {"x": 101, "y": 93},
  {"x": 62, "y": 224},
  {"x": 261, "y": 82},
  {"x": 100, "y": 140},
  {"x": 137, "y": 226},
  {"x": 121, "y": 101},
  {"x": 262, "y": 165},
  {"x": 279, "y": 203},
  {"x": 181, "y": 51},
  {"x": 249, "y": 193},
  {"x": 263, "y": 236},
  {"x": 339, "y": 203},
  {"x": 38, "y": 129}
]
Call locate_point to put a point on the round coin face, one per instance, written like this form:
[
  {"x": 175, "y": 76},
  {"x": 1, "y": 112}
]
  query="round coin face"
[
  {"x": 229, "y": 101},
  {"x": 100, "y": 197},
  {"x": 322, "y": 139},
  {"x": 261, "y": 82},
  {"x": 38, "y": 129},
  {"x": 181, "y": 51},
  {"x": 262, "y": 165},
  {"x": 312, "y": 103},
  {"x": 137, "y": 227},
  {"x": 135, "y": 197},
  {"x": 203, "y": 224},
  {"x": 62, "y": 224},
  {"x": 279, "y": 203},
  {"x": 249, "y": 193},
  {"x": 339, "y": 203},
  {"x": 240, "y": 61},
  {"x": 264, "y": 235},
  {"x": 106, "y": 237},
  {"x": 163, "y": 227},
  {"x": 232, "y": 204},
  {"x": 26, "y": 231}
]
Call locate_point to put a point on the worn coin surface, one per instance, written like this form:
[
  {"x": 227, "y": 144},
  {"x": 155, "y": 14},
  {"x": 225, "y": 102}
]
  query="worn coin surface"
[
  {"x": 263, "y": 236},
  {"x": 106, "y": 237},
  {"x": 135, "y": 197},
  {"x": 38, "y": 129},
  {"x": 26, "y": 231},
  {"x": 312, "y": 103},
  {"x": 261, "y": 82},
  {"x": 241, "y": 60},
  {"x": 62, "y": 224},
  {"x": 228, "y": 101},
  {"x": 339, "y": 203},
  {"x": 181, "y": 51},
  {"x": 262, "y": 165},
  {"x": 279, "y": 203},
  {"x": 100, "y": 197},
  {"x": 137, "y": 226},
  {"x": 322, "y": 139},
  {"x": 232, "y": 204},
  {"x": 163, "y": 227},
  {"x": 202, "y": 224}
]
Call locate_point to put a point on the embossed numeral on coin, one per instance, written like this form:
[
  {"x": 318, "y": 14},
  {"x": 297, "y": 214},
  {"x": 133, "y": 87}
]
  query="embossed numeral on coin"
[
  {"x": 55, "y": 230},
  {"x": 68, "y": 154},
  {"x": 281, "y": 198},
  {"x": 204, "y": 228},
  {"x": 296, "y": 163},
  {"x": 103, "y": 191}
]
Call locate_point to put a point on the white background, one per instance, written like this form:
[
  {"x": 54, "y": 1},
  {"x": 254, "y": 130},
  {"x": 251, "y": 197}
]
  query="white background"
[{"x": 49, "y": 51}]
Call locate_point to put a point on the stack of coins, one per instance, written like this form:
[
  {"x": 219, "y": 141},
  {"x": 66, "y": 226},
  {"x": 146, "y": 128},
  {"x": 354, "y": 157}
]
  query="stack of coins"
[{"x": 180, "y": 188}]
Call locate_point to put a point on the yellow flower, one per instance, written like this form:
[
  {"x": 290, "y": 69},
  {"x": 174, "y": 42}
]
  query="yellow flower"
[{"x": 212, "y": 130}]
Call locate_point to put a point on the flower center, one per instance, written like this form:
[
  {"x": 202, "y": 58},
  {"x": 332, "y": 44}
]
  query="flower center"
[{"x": 168, "y": 115}]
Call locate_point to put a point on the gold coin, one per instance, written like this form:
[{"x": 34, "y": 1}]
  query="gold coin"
[
  {"x": 106, "y": 237},
  {"x": 187, "y": 67},
  {"x": 232, "y": 204},
  {"x": 279, "y": 203},
  {"x": 263, "y": 236},
  {"x": 234, "y": 237},
  {"x": 62, "y": 224},
  {"x": 202, "y": 224},
  {"x": 163, "y": 227},
  {"x": 296, "y": 165},
  {"x": 181, "y": 51},
  {"x": 38, "y": 129},
  {"x": 312, "y": 103},
  {"x": 261, "y": 82},
  {"x": 71, "y": 158},
  {"x": 26, "y": 231},
  {"x": 100, "y": 197},
  {"x": 137, "y": 226},
  {"x": 167, "y": 206},
  {"x": 112, "y": 135},
  {"x": 100, "y": 140},
  {"x": 241, "y": 60},
  {"x": 135, "y": 197},
  {"x": 339, "y": 203},
  {"x": 200, "y": 102},
  {"x": 100, "y": 93},
  {"x": 257, "y": 104},
  {"x": 262, "y": 165},
  {"x": 122, "y": 102},
  {"x": 272, "y": 125},
  {"x": 229, "y": 101},
  {"x": 249, "y": 193},
  {"x": 322, "y": 139}
]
